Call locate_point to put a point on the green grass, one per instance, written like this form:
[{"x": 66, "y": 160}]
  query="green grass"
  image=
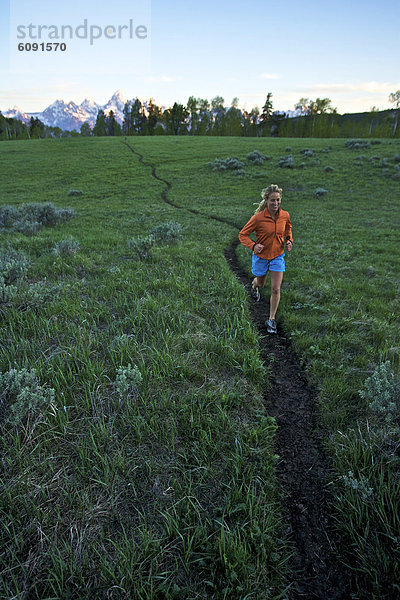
[
  {"x": 340, "y": 305},
  {"x": 168, "y": 490}
]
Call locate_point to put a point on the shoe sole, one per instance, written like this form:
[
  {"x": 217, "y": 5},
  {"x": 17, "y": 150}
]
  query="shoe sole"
[
  {"x": 256, "y": 296},
  {"x": 271, "y": 330}
]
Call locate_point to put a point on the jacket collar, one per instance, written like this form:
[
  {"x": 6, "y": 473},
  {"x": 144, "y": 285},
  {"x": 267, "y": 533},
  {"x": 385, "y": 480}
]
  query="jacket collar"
[{"x": 267, "y": 213}]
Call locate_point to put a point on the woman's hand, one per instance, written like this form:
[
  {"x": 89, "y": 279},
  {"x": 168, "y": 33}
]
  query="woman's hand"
[
  {"x": 258, "y": 248},
  {"x": 289, "y": 245}
]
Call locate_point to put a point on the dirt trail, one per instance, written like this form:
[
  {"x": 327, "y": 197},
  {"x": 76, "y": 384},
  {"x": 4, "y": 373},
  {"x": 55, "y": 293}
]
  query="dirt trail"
[{"x": 303, "y": 470}]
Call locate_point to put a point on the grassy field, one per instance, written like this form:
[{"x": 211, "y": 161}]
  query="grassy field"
[{"x": 149, "y": 470}]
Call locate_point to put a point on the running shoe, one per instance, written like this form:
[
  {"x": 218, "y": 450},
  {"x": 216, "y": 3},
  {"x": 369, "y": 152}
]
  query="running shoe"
[
  {"x": 255, "y": 293},
  {"x": 271, "y": 326}
]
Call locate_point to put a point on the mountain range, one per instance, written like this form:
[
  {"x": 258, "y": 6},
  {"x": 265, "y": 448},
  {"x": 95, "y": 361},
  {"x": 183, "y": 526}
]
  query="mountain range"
[{"x": 69, "y": 116}]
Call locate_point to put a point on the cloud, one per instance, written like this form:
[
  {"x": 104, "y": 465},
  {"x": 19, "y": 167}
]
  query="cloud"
[
  {"x": 269, "y": 76},
  {"x": 163, "y": 78},
  {"x": 370, "y": 87},
  {"x": 346, "y": 97}
]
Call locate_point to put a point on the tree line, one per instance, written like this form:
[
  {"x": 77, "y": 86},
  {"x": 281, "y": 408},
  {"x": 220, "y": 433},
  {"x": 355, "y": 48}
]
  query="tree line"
[{"x": 316, "y": 118}]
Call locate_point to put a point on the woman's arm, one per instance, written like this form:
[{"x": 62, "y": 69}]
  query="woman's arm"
[
  {"x": 244, "y": 234},
  {"x": 288, "y": 233}
]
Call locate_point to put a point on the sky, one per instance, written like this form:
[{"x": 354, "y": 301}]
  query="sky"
[{"x": 346, "y": 50}]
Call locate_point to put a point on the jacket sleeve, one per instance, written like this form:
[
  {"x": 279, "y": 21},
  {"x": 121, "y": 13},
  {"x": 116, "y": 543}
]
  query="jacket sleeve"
[
  {"x": 244, "y": 234},
  {"x": 288, "y": 230}
]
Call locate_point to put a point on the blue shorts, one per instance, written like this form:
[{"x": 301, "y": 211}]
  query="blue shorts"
[{"x": 261, "y": 266}]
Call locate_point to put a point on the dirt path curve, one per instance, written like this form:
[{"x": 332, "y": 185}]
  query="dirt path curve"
[{"x": 303, "y": 470}]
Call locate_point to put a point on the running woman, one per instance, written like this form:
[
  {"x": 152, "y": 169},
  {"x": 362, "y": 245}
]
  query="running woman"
[{"x": 273, "y": 228}]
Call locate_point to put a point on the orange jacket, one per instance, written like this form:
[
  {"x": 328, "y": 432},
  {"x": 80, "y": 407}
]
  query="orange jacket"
[{"x": 269, "y": 232}]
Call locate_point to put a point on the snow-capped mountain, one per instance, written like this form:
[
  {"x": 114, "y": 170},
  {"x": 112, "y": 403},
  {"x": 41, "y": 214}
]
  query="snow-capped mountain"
[
  {"x": 290, "y": 114},
  {"x": 69, "y": 116},
  {"x": 116, "y": 104},
  {"x": 17, "y": 113}
]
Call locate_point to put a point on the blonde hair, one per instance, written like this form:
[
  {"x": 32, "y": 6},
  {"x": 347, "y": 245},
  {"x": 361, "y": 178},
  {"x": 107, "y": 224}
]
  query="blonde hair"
[{"x": 265, "y": 193}]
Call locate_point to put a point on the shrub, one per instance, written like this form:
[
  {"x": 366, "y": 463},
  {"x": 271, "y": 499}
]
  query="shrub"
[
  {"x": 257, "y": 158},
  {"x": 370, "y": 271},
  {"x": 21, "y": 394},
  {"x": 75, "y": 193},
  {"x": 141, "y": 245},
  {"x": 357, "y": 144},
  {"x": 307, "y": 152},
  {"x": 328, "y": 169},
  {"x": 320, "y": 192},
  {"x": 360, "y": 484},
  {"x": 26, "y": 227},
  {"x": 45, "y": 213},
  {"x": 168, "y": 232},
  {"x": 224, "y": 164},
  {"x": 128, "y": 381},
  {"x": 29, "y": 218},
  {"x": 165, "y": 233},
  {"x": 65, "y": 247},
  {"x": 7, "y": 292},
  {"x": 13, "y": 265},
  {"x": 382, "y": 393},
  {"x": 286, "y": 162},
  {"x": 39, "y": 294},
  {"x": 8, "y": 215}
]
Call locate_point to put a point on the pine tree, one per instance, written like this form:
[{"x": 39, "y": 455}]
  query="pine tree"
[
  {"x": 266, "y": 115},
  {"x": 36, "y": 128},
  {"x": 85, "y": 130},
  {"x": 137, "y": 117},
  {"x": 110, "y": 120},
  {"x": 112, "y": 126},
  {"x": 127, "y": 122},
  {"x": 153, "y": 115},
  {"x": 100, "y": 126}
]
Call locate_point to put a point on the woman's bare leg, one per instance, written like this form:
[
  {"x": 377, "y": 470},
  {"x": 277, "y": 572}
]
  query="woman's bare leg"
[
  {"x": 276, "y": 282},
  {"x": 259, "y": 281}
]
